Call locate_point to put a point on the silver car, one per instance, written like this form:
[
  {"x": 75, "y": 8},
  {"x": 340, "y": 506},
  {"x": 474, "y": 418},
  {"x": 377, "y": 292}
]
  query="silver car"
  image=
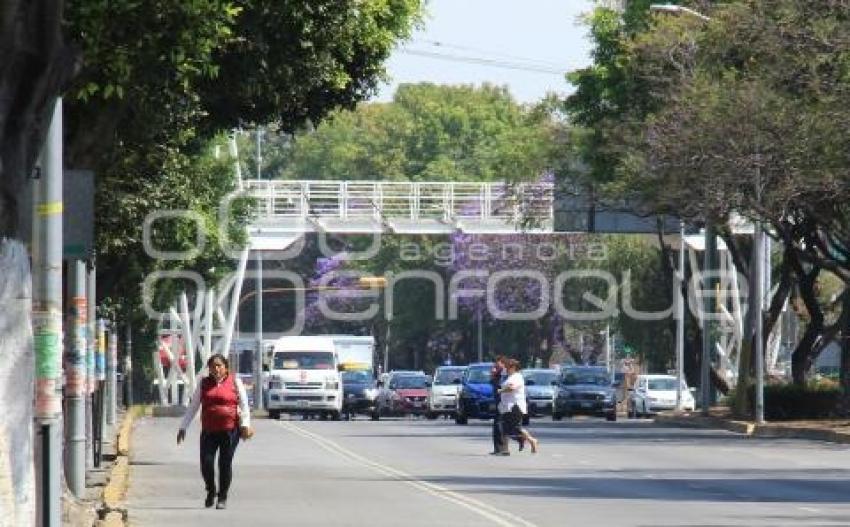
[{"x": 540, "y": 389}]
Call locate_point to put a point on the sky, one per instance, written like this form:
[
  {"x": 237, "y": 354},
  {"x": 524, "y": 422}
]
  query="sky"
[{"x": 495, "y": 41}]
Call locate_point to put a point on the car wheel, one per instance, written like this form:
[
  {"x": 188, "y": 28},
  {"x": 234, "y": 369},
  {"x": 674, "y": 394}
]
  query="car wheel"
[
  {"x": 611, "y": 416},
  {"x": 556, "y": 416},
  {"x": 274, "y": 414},
  {"x": 336, "y": 416},
  {"x": 375, "y": 415}
]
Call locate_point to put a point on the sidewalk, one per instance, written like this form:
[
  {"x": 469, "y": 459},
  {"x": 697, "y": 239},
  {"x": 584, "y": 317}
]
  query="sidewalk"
[
  {"x": 832, "y": 430},
  {"x": 107, "y": 485}
]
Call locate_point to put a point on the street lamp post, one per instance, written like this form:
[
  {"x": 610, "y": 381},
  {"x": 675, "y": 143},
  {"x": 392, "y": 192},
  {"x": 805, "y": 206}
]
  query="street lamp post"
[
  {"x": 678, "y": 9},
  {"x": 258, "y": 357},
  {"x": 679, "y": 294},
  {"x": 709, "y": 257}
]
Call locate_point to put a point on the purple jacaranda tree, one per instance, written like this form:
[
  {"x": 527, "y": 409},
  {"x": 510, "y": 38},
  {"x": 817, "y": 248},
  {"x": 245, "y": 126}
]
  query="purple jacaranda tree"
[{"x": 520, "y": 270}]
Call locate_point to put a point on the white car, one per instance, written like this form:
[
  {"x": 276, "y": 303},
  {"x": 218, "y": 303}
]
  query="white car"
[
  {"x": 656, "y": 393},
  {"x": 444, "y": 391}
]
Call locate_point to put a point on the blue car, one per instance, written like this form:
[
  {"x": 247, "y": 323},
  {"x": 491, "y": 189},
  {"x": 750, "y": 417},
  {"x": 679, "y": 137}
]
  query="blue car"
[{"x": 477, "y": 400}]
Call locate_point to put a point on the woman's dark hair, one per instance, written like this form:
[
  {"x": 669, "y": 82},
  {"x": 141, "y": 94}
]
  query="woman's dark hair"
[{"x": 220, "y": 357}]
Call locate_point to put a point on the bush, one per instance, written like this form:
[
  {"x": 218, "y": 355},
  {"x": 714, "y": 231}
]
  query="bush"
[{"x": 816, "y": 400}]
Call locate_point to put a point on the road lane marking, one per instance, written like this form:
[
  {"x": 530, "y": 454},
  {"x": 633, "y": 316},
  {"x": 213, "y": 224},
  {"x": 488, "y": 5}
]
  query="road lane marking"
[{"x": 497, "y": 516}]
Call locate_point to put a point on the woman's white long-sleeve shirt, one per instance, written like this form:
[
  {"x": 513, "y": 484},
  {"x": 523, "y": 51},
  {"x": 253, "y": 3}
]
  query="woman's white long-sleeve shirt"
[{"x": 195, "y": 405}]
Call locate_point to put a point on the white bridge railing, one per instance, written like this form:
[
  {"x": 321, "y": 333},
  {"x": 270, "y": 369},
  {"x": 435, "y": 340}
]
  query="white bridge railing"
[{"x": 404, "y": 207}]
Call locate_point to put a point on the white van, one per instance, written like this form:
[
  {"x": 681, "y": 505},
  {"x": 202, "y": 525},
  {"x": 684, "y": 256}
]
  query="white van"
[{"x": 304, "y": 377}]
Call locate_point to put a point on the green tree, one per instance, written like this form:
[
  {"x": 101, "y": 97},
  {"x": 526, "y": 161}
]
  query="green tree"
[{"x": 429, "y": 133}]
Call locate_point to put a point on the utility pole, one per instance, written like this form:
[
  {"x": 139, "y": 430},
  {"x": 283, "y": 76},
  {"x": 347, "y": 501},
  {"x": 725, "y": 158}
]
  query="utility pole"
[
  {"x": 112, "y": 376},
  {"x": 259, "y": 154},
  {"x": 480, "y": 337},
  {"x": 258, "y": 357},
  {"x": 679, "y": 295},
  {"x": 47, "y": 323},
  {"x": 708, "y": 309},
  {"x": 91, "y": 360},
  {"x": 758, "y": 303},
  {"x": 128, "y": 368},
  {"x": 76, "y": 385},
  {"x": 100, "y": 411},
  {"x": 387, "y": 348}
]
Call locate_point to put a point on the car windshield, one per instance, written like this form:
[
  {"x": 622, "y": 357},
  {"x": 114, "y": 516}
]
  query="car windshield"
[
  {"x": 598, "y": 379},
  {"x": 304, "y": 360},
  {"x": 357, "y": 376},
  {"x": 448, "y": 376},
  {"x": 662, "y": 384},
  {"x": 540, "y": 378},
  {"x": 408, "y": 382},
  {"x": 478, "y": 375}
]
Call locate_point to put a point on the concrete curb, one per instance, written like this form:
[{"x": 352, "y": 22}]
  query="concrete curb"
[
  {"x": 750, "y": 429},
  {"x": 111, "y": 511}
]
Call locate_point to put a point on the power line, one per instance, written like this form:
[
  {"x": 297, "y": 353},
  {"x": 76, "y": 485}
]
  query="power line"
[
  {"x": 496, "y": 63},
  {"x": 493, "y": 53}
]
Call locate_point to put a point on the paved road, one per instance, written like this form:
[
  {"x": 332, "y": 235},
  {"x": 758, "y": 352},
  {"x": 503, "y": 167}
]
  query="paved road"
[{"x": 430, "y": 473}]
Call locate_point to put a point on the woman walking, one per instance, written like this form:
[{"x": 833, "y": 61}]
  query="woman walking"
[
  {"x": 512, "y": 406},
  {"x": 225, "y": 417}
]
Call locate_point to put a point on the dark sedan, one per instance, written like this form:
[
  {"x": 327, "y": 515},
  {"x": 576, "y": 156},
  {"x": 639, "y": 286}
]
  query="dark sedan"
[
  {"x": 358, "y": 393},
  {"x": 585, "y": 390}
]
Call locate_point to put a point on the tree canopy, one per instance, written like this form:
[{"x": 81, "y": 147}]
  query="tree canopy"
[{"x": 428, "y": 133}]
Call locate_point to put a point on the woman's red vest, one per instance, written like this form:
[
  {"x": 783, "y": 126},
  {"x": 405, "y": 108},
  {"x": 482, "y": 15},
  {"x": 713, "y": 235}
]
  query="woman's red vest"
[{"x": 219, "y": 404}]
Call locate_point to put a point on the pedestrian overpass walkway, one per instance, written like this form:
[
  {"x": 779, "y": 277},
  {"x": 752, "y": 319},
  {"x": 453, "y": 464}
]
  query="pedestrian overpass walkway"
[{"x": 284, "y": 210}]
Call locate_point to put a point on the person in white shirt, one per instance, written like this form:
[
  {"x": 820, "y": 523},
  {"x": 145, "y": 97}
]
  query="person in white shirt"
[
  {"x": 512, "y": 406},
  {"x": 225, "y": 418}
]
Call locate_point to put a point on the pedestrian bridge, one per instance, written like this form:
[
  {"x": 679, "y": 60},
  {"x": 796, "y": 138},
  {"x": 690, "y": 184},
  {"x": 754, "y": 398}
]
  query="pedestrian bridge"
[{"x": 286, "y": 209}]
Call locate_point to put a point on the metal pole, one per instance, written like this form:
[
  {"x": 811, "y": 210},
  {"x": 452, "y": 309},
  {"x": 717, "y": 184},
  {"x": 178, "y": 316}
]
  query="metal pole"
[
  {"x": 387, "y": 349},
  {"x": 608, "y": 349},
  {"x": 100, "y": 372},
  {"x": 91, "y": 368},
  {"x": 112, "y": 376},
  {"x": 76, "y": 387},
  {"x": 581, "y": 345},
  {"x": 758, "y": 305},
  {"x": 259, "y": 154},
  {"x": 128, "y": 368},
  {"x": 258, "y": 356},
  {"x": 679, "y": 295},
  {"x": 480, "y": 337},
  {"x": 47, "y": 324},
  {"x": 708, "y": 308}
]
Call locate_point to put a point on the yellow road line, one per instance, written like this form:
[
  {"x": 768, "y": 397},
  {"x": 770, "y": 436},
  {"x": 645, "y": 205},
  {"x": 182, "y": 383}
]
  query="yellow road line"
[{"x": 497, "y": 516}]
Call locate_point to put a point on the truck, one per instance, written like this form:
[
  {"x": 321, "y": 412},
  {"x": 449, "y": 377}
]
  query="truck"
[
  {"x": 356, "y": 359},
  {"x": 304, "y": 377}
]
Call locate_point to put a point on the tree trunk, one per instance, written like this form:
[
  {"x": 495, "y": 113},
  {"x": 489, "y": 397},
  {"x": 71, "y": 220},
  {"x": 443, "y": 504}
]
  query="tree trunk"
[
  {"x": 844, "y": 325},
  {"x": 803, "y": 355},
  {"x": 36, "y": 66}
]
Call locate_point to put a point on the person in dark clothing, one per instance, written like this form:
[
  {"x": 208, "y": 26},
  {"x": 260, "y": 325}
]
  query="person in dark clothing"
[
  {"x": 225, "y": 418},
  {"x": 497, "y": 376},
  {"x": 496, "y": 382}
]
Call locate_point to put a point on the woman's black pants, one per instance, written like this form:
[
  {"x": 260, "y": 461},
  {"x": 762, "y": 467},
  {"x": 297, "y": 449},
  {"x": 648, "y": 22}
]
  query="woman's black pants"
[{"x": 225, "y": 444}]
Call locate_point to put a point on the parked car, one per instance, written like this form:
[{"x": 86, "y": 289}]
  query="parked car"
[
  {"x": 477, "y": 400},
  {"x": 655, "y": 393},
  {"x": 586, "y": 390},
  {"x": 540, "y": 388},
  {"x": 443, "y": 395},
  {"x": 405, "y": 394}
]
